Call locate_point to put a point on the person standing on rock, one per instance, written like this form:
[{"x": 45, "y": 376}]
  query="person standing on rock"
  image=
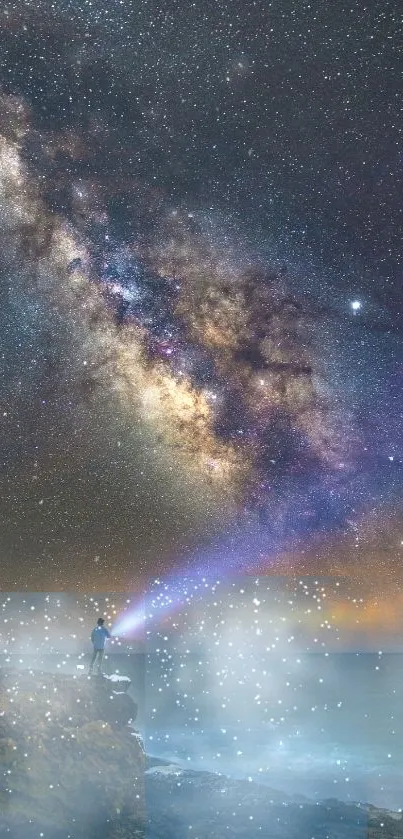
[{"x": 98, "y": 637}]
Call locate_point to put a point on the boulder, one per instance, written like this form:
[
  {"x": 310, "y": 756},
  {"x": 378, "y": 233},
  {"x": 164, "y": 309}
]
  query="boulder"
[{"x": 69, "y": 763}]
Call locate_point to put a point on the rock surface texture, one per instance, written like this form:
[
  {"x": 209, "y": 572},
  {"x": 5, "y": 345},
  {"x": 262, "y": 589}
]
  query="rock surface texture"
[
  {"x": 70, "y": 765},
  {"x": 185, "y": 804}
]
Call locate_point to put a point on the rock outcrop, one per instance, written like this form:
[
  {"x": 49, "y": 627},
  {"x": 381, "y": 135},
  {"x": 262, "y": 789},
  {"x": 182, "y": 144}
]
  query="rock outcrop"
[
  {"x": 216, "y": 807},
  {"x": 70, "y": 765}
]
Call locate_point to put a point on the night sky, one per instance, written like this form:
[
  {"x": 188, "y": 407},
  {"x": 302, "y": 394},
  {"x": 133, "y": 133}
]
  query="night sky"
[{"x": 201, "y": 320}]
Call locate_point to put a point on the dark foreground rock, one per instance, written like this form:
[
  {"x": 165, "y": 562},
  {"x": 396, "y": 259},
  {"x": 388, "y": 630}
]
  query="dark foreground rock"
[
  {"x": 70, "y": 765},
  {"x": 72, "y": 768},
  {"x": 189, "y": 804}
]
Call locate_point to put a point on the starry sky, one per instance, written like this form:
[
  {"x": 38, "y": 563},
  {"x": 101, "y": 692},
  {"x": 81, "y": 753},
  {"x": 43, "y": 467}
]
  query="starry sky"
[{"x": 201, "y": 291}]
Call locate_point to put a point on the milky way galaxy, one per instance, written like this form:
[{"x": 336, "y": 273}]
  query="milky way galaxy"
[
  {"x": 213, "y": 359},
  {"x": 169, "y": 369}
]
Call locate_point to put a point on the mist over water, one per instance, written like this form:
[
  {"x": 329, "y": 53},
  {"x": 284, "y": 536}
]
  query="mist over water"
[
  {"x": 342, "y": 738},
  {"x": 240, "y": 685}
]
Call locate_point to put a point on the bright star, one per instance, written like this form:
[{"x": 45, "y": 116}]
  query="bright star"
[{"x": 356, "y": 305}]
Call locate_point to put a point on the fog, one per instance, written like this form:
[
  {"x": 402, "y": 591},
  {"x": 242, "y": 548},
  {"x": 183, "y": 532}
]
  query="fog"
[{"x": 250, "y": 681}]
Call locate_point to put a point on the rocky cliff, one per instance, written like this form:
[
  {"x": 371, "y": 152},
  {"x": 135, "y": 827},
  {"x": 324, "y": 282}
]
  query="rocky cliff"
[{"x": 70, "y": 765}]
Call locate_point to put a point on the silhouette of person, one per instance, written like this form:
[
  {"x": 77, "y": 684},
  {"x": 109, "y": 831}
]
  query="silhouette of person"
[{"x": 98, "y": 637}]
